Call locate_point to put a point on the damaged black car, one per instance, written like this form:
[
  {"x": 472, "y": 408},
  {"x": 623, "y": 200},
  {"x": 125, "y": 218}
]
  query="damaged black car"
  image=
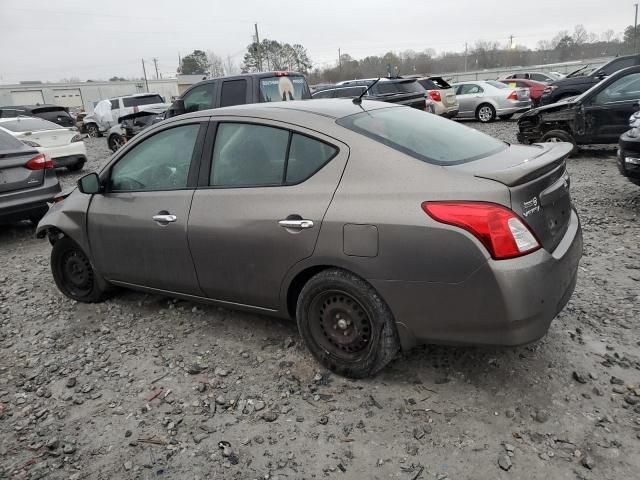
[{"x": 600, "y": 115}]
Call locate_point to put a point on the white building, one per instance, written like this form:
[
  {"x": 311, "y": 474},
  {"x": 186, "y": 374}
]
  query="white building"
[{"x": 83, "y": 95}]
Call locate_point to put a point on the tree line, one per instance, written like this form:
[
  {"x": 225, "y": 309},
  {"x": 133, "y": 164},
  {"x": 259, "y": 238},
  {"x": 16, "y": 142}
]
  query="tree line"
[{"x": 273, "y": 55}]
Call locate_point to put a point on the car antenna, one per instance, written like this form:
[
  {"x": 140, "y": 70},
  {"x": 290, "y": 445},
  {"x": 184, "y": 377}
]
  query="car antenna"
[{"x": 358, "y": 100}]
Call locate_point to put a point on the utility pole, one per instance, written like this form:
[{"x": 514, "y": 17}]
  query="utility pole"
[
  {"x": 339, "y": 60},
  {"x": 258, "y": 48},
  {"x": 635, "y": 30},
  {"x": 155, "y": 64},
  {"x": 144, "y": 70},
  {"x": 179, "y": 63},
  {"x": 466, "y": 49},
  {"x": 511, "y": 41}
]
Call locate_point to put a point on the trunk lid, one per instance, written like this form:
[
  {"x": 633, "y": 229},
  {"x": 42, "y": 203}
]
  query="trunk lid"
[
  {"x": 538, "y": 183},
  {"x": 13, "y": 173},
  {"x": 49, "y": 138},
  {"x": 523, "y": 93}
]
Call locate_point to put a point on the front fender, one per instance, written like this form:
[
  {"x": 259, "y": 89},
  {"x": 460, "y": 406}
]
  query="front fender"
[{"x": 68, "y": 217}]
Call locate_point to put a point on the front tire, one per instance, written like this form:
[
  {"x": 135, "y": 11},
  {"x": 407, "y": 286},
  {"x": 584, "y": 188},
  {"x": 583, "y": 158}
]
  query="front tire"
[
  {"x": 485, "y": 113},
  {"x": 115, "y": 142},
  {"x": 554, "y": 136},
  {"x": 92, "y": 130},
  {"x": 73, "y": 273},
  {"x": 346, "y": 325}
]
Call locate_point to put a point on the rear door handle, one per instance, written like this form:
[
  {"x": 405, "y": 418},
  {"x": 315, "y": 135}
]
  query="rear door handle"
[
  {"x": 296, "y": 223},
  {"x": 163, "y": 219}
]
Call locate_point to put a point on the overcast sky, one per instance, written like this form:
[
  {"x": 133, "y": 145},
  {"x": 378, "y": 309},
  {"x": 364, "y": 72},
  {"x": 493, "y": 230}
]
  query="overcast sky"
[{"x": 50, "y": 40}]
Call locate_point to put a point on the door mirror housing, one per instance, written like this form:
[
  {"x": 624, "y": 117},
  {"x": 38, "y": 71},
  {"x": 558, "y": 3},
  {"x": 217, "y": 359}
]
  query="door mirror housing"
[
  {"x": 89, "y": 184},
  {"x": 177, "y": 108}
]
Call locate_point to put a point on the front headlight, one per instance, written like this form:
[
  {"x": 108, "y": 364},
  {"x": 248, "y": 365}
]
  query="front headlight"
[
  {"x": 77, "y": 138},
  {"x": 30, "y": 143}
]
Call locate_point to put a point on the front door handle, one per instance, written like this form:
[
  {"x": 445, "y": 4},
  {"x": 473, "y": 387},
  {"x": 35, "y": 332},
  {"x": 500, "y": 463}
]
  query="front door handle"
[
  {"x": 164, "y": 218},
  {"x": 296, "y": 223}
]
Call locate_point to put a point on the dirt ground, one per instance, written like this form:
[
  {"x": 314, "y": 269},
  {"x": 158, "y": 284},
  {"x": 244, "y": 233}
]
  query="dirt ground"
[{"x": 147, "y": 387}]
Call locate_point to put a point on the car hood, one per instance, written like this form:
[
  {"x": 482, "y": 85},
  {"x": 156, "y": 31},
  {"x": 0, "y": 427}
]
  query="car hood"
[
  {"x": 567, "y": 82},
  {"x": 567, "y": 105}
]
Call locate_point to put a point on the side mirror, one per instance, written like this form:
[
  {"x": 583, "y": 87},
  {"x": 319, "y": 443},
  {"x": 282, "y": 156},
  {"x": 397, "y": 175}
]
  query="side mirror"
[
  {"x": 177, "y": 108},
  {"x": 89, "y": 184}
]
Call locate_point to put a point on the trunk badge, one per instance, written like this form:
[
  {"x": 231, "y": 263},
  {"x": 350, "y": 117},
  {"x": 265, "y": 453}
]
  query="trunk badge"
[{"x": 530, "y": 207}]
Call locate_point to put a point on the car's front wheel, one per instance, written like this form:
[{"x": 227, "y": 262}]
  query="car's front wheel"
[
  {"x": 115, "y": 142},
  {"x": 554, "y": 136},
  {"x": 73, "y": 273},
  {"x": 346, "y": 325},
  {"x": 92, "y": 130},
  {"x": 485, "y": 113}
]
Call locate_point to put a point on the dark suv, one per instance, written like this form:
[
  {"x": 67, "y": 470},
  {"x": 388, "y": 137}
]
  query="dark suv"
[
  {"x": 401, "y": 91},
  {"x": 241, "y": 89},
  {"x": 579, "y": 81},
  {"x": 53, "y": 113}
]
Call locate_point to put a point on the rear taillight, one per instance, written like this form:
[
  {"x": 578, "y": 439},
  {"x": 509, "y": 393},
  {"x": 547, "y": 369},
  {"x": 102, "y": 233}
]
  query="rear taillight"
[
  {"x": 435, "y": 95},
  {"x": 513, "y": 96},
  {"x": 40, "y": 162},
  {"x": 499, "y": 229}
]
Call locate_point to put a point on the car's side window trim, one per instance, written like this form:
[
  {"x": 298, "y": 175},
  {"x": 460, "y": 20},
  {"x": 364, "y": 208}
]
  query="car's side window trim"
[
  {"x": 206, "y": 159},
  {"x": 194, "y": 166}
]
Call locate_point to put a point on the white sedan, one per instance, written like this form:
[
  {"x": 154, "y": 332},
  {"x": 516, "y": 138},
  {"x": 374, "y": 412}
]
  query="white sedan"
[{"x": 64, "y": 145}]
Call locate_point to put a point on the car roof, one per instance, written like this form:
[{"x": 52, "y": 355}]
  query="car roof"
[
  {"x": 329, "y": 107},
  {"x": 32, "y": 107}
]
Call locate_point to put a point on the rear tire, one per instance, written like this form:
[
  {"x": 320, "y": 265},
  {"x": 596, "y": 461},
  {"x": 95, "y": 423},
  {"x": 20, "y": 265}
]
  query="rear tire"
[
  {"x": 75, "y": 167},
  {"x": 553, "y": 136},
  {"x": 73, "y": 273},
  {"x": 485, "y": 113},
  {"x": 346, "y": 325},
  {"x": 505, "y": 117}
]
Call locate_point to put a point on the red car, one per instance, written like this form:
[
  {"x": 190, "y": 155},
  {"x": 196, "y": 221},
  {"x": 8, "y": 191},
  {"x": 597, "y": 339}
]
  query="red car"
[{"x": 535, "y": 88}]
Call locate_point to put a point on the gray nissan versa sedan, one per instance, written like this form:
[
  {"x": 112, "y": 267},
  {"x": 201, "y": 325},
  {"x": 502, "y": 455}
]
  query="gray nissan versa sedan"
[{"x": 377, "y": 227}]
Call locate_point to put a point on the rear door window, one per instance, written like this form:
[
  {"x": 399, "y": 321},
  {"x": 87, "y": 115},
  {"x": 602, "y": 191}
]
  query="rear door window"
[
  {"x": 324, "y": 93},
  {"x": 200, "y": 98},
  {"x": 624, "y": 89},
  {"x": 349, "y": 92},
  {"x": 469, "y": 88},
  {"x": 284, "y": 88},
  {"x": 539, "y": 77},
  {"x": 234, "y": 92},
  {"x": 307, "y": 156}
]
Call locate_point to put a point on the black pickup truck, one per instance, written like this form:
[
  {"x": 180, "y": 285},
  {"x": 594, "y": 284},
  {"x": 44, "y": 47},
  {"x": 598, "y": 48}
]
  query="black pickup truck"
[
  {"x": 582, "y": 79},
  {"x": 403, "y": 91},
  {"x": 241, "y": 89}
]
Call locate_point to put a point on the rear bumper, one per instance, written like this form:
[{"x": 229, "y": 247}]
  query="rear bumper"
[
  {"x": 69, "y": 160},
  {"x": 505, "y": 302},
  {"x": 22, "y": 204},
  {"x": 66, "y": 155}
]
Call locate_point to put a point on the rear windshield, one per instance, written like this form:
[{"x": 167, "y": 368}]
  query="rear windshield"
[
  {"x": 497, "y": 84},
  {"x": 423, "y": 136},
  {"x": 282, "y": 89},
  {"x": 52, "y": 115},
  {"x": 26, "y": 124},
  {"x": 8, "y": 142},
  {"x": 142, "y": 100},
  {"x": 384, "y": 87},
  {"x": 439, "y": 82}
]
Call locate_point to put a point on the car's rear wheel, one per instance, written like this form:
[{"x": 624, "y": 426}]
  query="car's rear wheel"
[
  {"x": 346, "y": 325},
  {"x": 485, "y": 113},
  {"x": 554, "y": 136},
  {"x": 115, "y": 142},
  {"x": 505, "y": 117},
  {"x": 74, "y": 167},
  {"x": 92, "y": 130},
  {"x": 73, "y": 273}
]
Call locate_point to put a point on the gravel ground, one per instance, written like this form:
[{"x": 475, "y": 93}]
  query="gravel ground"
[{"x": 144, "y": 386}]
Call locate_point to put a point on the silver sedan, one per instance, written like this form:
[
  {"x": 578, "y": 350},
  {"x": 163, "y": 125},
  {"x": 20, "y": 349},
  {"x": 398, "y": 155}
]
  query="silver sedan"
[{"x": 487, "y": 100}]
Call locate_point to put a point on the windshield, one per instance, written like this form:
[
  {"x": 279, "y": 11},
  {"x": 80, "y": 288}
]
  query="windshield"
[
  {"x": 26, "y": 124},
  {"x": 141, "y": 100},
  {"x": 384, "y": 87},
  {"x": 279, "y": 89},
  {"x": 421, "y": 135}
]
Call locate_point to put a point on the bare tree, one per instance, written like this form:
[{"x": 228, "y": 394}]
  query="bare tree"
[
  {"x": 580, "y": 35},
  {"x": 608, "y": 36},
  {"x": 230, "y": 66},
  {"x": 216, "y": 67}
]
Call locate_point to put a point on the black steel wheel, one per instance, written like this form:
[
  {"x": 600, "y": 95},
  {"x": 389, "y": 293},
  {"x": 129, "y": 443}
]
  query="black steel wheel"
[
  {"x": 73, "y": 273},
  {"x": 115, "y": 142},
  {"x": 345, "y": 324},
  {"x": 92, "y": 130}
]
